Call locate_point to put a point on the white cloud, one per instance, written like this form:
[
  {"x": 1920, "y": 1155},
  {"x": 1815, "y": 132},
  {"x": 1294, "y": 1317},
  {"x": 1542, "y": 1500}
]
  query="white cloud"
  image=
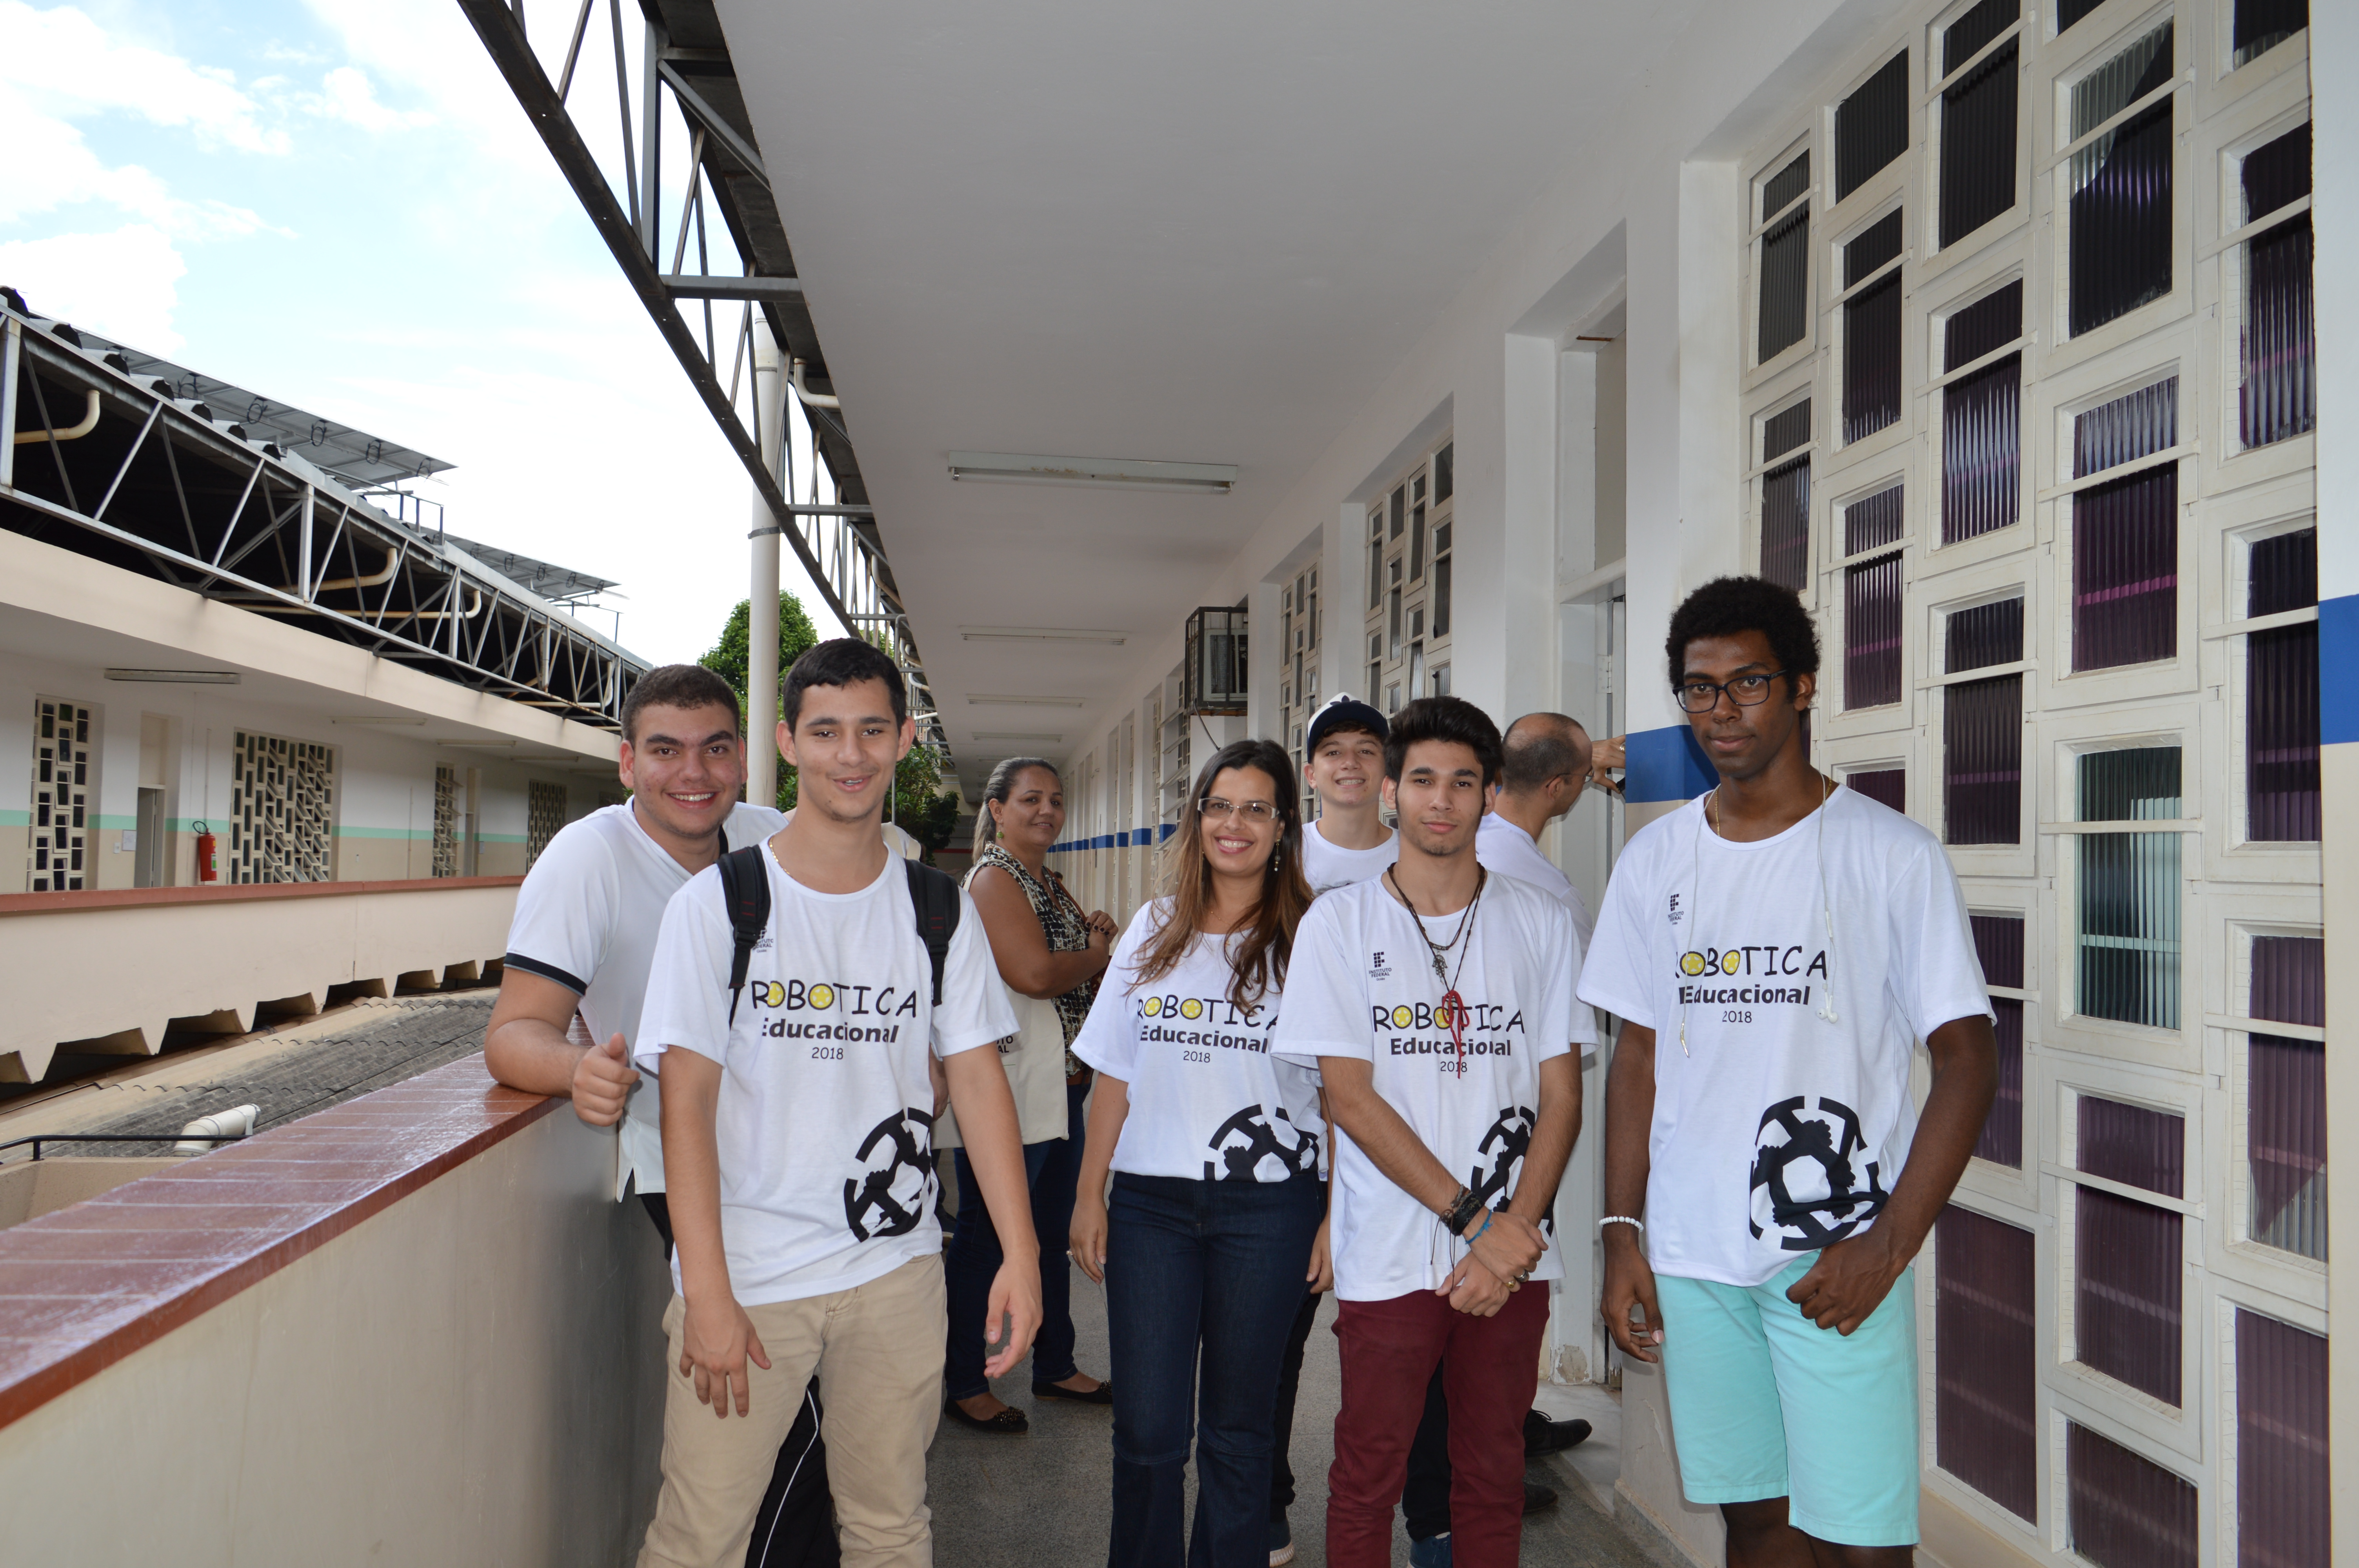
[
  {"x": 69, "y": 64},
  {"x": 51, "y": 167},
  {"x": 345, "y": 94},
  {"x": 121, "y": 285}
]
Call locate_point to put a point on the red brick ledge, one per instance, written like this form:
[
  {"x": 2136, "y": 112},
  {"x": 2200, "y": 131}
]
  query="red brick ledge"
[
  {"x": 250, "y": 892},
  {"x": 83, "y": 1288}
]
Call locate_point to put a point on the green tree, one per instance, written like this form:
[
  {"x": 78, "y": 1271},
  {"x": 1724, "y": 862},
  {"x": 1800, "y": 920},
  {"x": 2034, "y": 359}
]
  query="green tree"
[{"x": 732, "y": 659}]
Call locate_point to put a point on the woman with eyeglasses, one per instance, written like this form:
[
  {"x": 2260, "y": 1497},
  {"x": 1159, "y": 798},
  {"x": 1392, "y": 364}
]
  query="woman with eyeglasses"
[{"x": 1216, "y": 1226}]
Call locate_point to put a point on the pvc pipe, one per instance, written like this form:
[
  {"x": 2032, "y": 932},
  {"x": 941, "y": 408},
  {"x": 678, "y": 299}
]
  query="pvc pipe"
[
  {"x": 223, "y": 1124},
  {"x": 810, "y": 399},
  {"x": 392, "y": 558},
  {"x": 73, "y": 432}
]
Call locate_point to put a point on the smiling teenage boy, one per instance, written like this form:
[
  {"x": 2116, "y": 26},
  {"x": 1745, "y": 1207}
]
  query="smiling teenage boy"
[
  {"x": 1349, "y": 842},
  {"x": 1775, "y": 950},
  {"x": 580, "y": 944},
  {"x": 798, "y": 1119},
  {"x": 1438, "y": 1002}
]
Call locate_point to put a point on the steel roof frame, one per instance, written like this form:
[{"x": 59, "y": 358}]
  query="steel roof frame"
[
  {"x": 840, "y": 548},
  {"x": 235, "y": 499}
]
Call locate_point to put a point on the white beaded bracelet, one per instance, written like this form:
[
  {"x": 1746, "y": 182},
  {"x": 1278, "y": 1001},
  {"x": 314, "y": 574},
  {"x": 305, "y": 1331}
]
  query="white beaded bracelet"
[{"x": 1621, "y": 1219}]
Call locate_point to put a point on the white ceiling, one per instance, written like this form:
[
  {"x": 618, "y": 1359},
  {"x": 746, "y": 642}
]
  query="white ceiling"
[{"x": 1199, "y": 234}]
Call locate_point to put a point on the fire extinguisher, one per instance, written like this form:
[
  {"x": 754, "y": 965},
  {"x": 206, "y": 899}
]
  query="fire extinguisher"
[{"x": 206, "y": 870}]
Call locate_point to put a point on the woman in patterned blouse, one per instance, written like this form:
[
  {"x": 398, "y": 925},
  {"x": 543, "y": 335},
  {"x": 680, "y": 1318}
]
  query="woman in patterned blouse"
[{"x": 1049, "y": 949}]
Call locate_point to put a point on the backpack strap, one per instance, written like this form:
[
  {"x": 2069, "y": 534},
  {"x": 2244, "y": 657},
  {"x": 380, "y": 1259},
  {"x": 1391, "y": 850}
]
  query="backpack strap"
[
  {"x": 936, "y": 899},
  {"x": 745, "y": 894}
]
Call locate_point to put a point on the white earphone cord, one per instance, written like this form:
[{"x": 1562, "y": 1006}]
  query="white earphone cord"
[{"x": 1826, "y": 907}]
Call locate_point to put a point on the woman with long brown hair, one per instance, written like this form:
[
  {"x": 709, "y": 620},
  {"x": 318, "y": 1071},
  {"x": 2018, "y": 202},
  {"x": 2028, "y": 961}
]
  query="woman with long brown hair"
[{"x": 1216, "y": 1226}]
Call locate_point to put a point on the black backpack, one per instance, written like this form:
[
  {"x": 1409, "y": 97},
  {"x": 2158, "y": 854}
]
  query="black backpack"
[{"x": 745, "y": 891}]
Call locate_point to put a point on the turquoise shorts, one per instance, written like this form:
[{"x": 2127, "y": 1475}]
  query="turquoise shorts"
[{"x": 1765, "y": 1403}]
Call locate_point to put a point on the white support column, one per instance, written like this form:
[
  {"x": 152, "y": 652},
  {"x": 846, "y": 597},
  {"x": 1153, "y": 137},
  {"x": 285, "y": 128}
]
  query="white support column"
[
  {"x": 762, "y": 664},
  {"x": 11, "y": 350}
]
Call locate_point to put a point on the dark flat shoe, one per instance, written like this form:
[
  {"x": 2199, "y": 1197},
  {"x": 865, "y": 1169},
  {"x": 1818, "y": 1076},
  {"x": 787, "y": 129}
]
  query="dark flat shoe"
[
  {"x": 1539, "y": 1498},
  {"x": 1101, "y": 1395},
  {"x": 1542, "y": 1435},
  {"x": 1008, "y": 1422}
]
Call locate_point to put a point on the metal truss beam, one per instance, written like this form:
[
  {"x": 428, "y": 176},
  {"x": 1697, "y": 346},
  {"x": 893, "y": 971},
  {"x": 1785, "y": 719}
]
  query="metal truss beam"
[
  {"x": 164, "y": 467},
  {"x": 840, "y": 552}
]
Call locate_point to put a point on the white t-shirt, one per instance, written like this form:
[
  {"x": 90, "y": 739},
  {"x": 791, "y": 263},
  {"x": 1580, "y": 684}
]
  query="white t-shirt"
[
  {"x": 1326, "y": 866},
  {"x": 825, "y": 1120},
  {"x": 1207, "y": 1102},
  {"x": 586, "y": 918},
  {"x": 1361, "y": 984},
  {"x": 1508, "y": 850},
  {"x": 1775, "y": 1130}
]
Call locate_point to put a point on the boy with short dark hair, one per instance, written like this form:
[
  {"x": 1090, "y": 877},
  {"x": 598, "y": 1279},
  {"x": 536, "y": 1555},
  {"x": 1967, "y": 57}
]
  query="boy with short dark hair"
[
  {"x": 1776, "y": 949},
  {"x": 798, "y": 1122},
  {"x": 1438, "y": 1002},
  {"x": 1349, "y": 842}
]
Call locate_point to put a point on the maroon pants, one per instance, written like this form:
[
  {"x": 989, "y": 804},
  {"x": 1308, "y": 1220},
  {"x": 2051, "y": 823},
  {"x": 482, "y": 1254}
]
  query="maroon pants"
[{"x": 1490, "y": 1367}]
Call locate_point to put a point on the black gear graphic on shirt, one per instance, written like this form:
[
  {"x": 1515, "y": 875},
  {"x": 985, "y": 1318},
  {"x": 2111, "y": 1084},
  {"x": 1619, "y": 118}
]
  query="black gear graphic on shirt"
[
  {"x": 1827, "y": 1142},
  {"x": 1513, "y": 1135},
  {"x": 872, "y": 1197},
  {"x": 1248, "y": 1137}
]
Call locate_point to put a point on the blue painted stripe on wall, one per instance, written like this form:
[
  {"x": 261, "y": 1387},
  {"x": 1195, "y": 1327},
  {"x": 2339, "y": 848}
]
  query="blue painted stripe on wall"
[
  {"x": 2338, "y": 649},
  {"x": 1131, "y": 837},
  {"x": 1665, "y": 764}
]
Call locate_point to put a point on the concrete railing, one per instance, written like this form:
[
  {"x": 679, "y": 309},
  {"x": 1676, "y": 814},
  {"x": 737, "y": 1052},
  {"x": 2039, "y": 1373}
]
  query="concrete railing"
[
  {"x": 415, "y": 1328},
  {"x": 107, "y": 971}
]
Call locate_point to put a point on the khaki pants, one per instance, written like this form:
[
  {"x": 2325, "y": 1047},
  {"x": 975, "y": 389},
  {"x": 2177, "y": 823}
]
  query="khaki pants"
[{"x": 879, "y": 1351}]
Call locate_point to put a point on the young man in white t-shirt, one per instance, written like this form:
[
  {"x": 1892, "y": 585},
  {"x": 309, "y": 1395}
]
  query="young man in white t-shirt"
[
  {"x": 1349, "y": 842},
  {"x": 1775, "y": 950},
  {"x": 798, "y": 1117},
  {"x": 1438, "y": 1000},
  {"x": 576, "y": 974}
]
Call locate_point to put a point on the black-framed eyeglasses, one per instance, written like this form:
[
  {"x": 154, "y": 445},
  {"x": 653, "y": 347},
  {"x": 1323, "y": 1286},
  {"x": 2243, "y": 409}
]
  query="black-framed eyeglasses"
[
  {"x": 1213, "y": 808},
  {"x": 1745, "y": 691}
]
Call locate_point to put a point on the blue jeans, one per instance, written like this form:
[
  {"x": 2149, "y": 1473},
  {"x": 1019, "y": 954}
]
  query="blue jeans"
[
  {"x": 971, "y": 1260},
  {"x": 1220, "y": 1265}
]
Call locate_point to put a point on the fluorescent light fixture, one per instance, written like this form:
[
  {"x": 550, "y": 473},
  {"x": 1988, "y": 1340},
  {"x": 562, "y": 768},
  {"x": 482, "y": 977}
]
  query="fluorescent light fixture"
[
  {"x": 1004, "y": 699},
  {"x": 1113, "y": 473},
  {"x": 178, "y": 677},
  {"x": 1013, "y": 736},
  {"x": 1041, "y": 635},
  {"x": 389, "y": 723}
]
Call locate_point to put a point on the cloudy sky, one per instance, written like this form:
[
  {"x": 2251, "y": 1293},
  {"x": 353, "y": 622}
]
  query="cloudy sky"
[{"x": 337, "y": 204}]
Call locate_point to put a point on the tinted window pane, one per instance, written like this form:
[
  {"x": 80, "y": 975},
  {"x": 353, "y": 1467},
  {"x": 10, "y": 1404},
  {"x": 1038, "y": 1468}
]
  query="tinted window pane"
[
  {"x": 1786, "y": 525},
  {"x": 1978, "y": 129},
  {"x": 1985, "y": 1399},
  {"x": 2285, "y": 1129},
  {"x": 2120, "y": 205},
  {"x": 1886, "y": 786},
  {"x": 1785, "y": 430},
  {"x": 2126, "y": 1306},
  {"x": 1981, "y": 451},
  {"x": 1871, "y": 633},
  {"x": 2126, "y": 1511},
  {"x": 1982, "y": 761},
  {"x": 1872, "y": 360},
  {"x": 1982, "y": 635},
  {"x": 1785, "y": 285},
  {"x": 2279, "y": 398},
  {"x": 2134, "y": 1144},
  {"x": 1873, "y": 523},
  {"x": 2282, "y": 1511},
  {"x": 2126, "y": 570},
  {"x": 2261, "y": 25},
  {"x": 1872, "y": 126},
  {"x": 1978, "y": 27}
]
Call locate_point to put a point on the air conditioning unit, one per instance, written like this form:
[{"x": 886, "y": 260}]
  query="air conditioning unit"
[{"x": 1212, "y": 674}]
